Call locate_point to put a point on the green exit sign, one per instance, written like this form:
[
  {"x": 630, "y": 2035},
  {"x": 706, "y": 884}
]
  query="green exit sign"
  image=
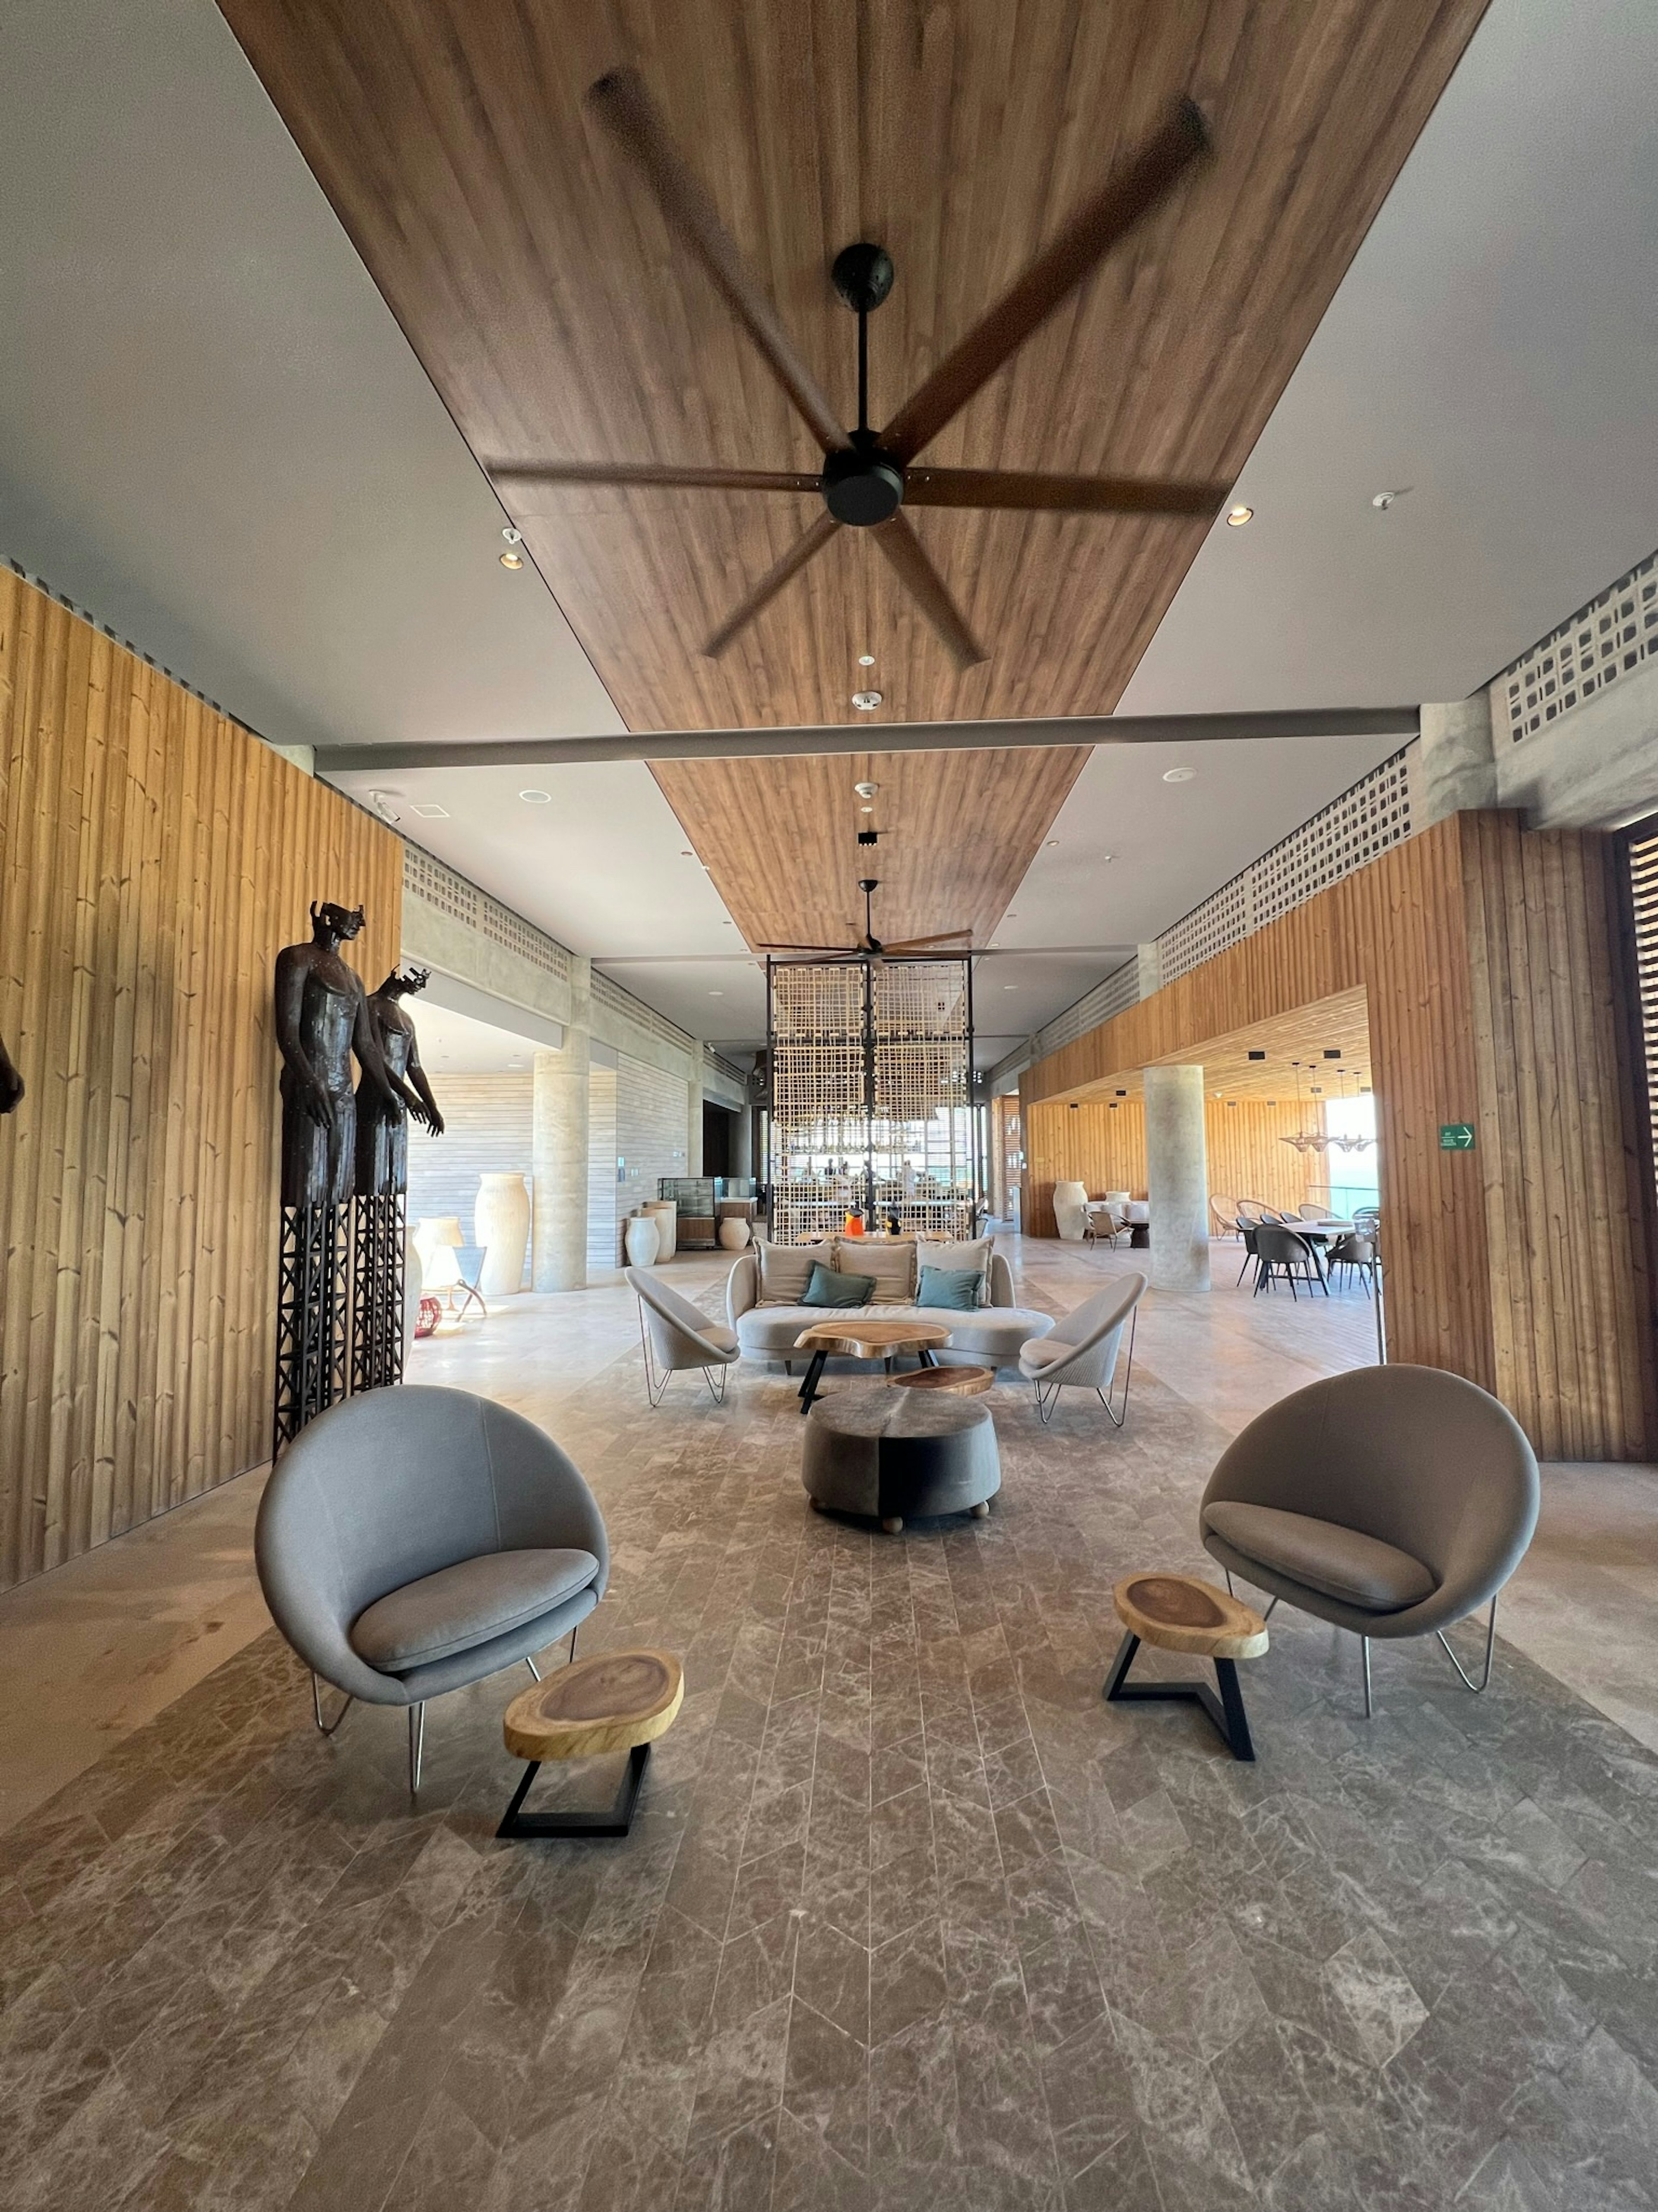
[{"x": 1457, "y": 1136}]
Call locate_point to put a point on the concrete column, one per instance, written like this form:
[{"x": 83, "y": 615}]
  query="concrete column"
[
  {"x": 693, "y": 1114},
  {"x": 1458, "y": 761},
  {"x": 558, "y": 1147},
  {"x": 1177, "y": 1178},
  {"x": 1151, "y": 969},
  {"x": 743, "y": 1141}
]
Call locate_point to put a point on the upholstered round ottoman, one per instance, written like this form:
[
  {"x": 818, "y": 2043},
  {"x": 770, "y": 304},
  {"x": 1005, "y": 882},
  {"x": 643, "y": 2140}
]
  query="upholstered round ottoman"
[{"x": 899, "y": 1455}]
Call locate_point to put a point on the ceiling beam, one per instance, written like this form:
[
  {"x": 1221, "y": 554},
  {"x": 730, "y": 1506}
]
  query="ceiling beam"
[{"x": 1400, "y": 722}]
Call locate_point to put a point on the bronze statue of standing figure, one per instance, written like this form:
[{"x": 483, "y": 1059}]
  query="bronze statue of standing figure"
[
  {"x": 382, "y": 1127},
  {"x": 322, "y": 1020}
]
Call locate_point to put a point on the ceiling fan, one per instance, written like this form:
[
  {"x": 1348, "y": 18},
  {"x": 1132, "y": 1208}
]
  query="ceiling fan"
[
  {"x": 869, "y": 948},
  {"x": 868, "y": 478}
]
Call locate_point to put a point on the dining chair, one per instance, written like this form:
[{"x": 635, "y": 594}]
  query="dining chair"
[
  {"x": 1225, "y": 1213},
  {"x": 1280, "y": 1251},
  {"x": 1356, "y": 1254}
]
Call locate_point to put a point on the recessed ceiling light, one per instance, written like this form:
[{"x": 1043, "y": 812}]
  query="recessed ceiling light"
[
  {"x": 866, "y": 660},
  {"x": 431, "y": 812},
  {"x": 1178, "y": 774},
  {"x": 1237, "y": 516},
  {"x": 685, "y": 853},
  {"x": 867, "y": 810},
  {"x": 1010, "y": 987},
  {"x": 1052, "y": 844},
  {"x": 995, "y": 944},
  {"x": 512, "y": 560},
  {"x": 1384, "y": 499},
  {"x": 537, "y": 797},
  {"x": 716, "y": 994},
  {"x": 866, "y": 702}
]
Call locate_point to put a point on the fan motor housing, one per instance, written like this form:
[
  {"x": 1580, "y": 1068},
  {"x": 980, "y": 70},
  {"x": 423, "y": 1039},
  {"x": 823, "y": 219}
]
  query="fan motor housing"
[{"x": 862, "y": 486}]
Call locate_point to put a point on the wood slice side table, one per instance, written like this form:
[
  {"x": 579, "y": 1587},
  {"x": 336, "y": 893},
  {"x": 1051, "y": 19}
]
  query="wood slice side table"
[
  {"x": 617, "y": 1701},
  {"x": 860, "y": 1337},
  {"x": 945, "y": 1382},
  {"x": 1178, "y": 1613}
]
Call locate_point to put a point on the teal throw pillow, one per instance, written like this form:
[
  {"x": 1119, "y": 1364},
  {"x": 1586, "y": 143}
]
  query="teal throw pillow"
[
  {"x": 829, "y": 1288},
  {"x": 956, "y": 1290}
]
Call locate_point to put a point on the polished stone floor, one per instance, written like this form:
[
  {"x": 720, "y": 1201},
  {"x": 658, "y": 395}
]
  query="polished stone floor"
[{"x": 909, "y": 1917}]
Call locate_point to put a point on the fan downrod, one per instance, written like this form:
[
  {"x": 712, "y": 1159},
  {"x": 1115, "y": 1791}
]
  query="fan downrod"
[{"x": 862, "y": 485}]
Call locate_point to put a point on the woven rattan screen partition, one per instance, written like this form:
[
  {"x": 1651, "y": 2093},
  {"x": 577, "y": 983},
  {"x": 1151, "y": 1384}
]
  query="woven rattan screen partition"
[{"x": 871, "y": 1104}]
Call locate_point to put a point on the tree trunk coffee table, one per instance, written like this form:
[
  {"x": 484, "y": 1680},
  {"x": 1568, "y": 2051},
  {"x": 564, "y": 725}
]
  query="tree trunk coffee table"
[
  {"x": 1178, "y": 1613},
  {"x": 618, "y": 1701},
  {"x": 945, "y": 1382},
  {"x": 858, "y": 1337}
]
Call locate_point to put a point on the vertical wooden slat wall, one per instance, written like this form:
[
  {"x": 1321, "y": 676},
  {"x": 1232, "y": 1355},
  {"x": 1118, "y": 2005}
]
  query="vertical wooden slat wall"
[
  {"x": 1486, "y": 958},
  {"x": 1104, "y": 1147},
  {"x": 152, "y": 859}
]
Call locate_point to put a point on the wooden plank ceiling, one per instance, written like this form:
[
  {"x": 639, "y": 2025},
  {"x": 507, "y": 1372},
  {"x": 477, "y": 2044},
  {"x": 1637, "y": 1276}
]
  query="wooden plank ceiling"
[
  {"x": 1341, "y": 1024},
  {"x": 957, "y": 829},
  {"x": 541, "y": 290}
]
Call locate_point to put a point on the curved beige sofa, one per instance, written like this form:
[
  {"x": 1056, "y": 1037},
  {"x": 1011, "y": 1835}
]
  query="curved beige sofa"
[{"x": 990, "y": 1335}]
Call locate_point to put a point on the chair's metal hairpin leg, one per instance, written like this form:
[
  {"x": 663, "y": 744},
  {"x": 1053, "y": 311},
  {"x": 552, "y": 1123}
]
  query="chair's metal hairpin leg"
[
  {"x": 717, "y": 1390},
  {"x": 653, "y": 1388},
  {"x": 1491, "y": 1639},
  {"x": 416, "y": 1744},
  {"x": 1045, "y": 1405},
  {"x": 1364, "y": 1649},
  {"x": 575, "y": 1632},
  {"x": 1127, "y": 1375},
  {"x": 532, "y": 1667},
  {"x": 327, "y": 1727}
]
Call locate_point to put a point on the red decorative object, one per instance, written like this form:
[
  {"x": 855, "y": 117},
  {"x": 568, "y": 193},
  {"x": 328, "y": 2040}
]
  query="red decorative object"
[
  {"x": 854, "y": 1225},
  {"x": 430, "y": 1314}
]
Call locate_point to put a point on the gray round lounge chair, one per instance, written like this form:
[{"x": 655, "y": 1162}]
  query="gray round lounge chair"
[
  {"x": 1392, "y": 1501},
  {"x": 674, "y": 1334},
  {"x": 414, "y": 1541},
  {"x": 1082, "y": 1349}
]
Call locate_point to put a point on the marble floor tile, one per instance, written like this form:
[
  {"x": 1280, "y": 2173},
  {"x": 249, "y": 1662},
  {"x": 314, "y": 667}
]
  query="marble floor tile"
[{"x": 909, "y": 1918}]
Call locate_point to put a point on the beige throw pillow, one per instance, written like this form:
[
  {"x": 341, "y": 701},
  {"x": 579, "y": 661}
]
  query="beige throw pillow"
[
  {"x": 786, "y": 1270},
  {"x": 957, "y": 1259},
  {"x": 892, "y": 1265}
]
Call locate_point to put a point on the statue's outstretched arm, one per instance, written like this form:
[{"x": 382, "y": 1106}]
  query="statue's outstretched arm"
[{"x": 426, "y": 1111}]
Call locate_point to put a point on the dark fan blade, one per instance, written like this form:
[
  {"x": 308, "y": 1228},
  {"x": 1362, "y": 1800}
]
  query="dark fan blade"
[
  {"x": 828, "y": 952},
  {"x": 626, "y": 111},
  {"x": 923, "y": 944},
  {"x": 770, "y": 585},
  {"x": 908, "y": 556},
  {"x": 1058, "y": 270},
  {"x": 1063, "y": 495},
  {"x": 651, "y": 472}
]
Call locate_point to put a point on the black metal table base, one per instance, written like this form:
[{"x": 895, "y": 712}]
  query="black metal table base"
[
  {"x": 616, "y": 1822},
  {"x": 1226, "y": 1711},
  {"x": 814, "y": 1374}
]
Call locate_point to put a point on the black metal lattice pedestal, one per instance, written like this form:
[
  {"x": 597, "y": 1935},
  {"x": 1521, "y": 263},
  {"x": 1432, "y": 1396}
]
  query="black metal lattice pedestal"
[
  {"x": 313, "y": 1298},
  {"x": 377, "y": 1293}
]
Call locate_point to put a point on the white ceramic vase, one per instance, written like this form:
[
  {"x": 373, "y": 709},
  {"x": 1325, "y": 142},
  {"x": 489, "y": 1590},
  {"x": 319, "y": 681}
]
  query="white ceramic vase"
[
  {"x": 733, "y": 1235},
  {"x": 1070, "y": 1210},
  {"x": 641, "y": 1240},
  {"x": 664, "y": 1212},
  {"x": 501, "y": 1224}
]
